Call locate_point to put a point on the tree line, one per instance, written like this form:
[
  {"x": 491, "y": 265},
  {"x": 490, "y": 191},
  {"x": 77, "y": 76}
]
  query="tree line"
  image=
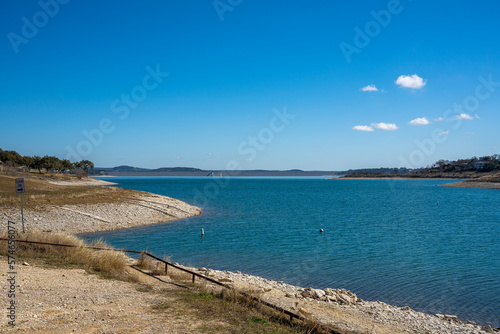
[
  {"x": 490, "y": 163},
  {"x": 49, "y": 163}
]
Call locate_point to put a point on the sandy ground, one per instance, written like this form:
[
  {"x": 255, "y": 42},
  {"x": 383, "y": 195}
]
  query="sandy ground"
[
  {"x": 85, "y": 182},
  {"x": 72, "y": 301}
]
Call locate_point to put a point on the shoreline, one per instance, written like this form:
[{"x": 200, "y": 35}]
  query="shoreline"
[
  {"x": 343, "y": 309},
  {"x": 472, "y": 185},
  {"x": 138, "y": 208},
  {"x": 399, "y": 178}
]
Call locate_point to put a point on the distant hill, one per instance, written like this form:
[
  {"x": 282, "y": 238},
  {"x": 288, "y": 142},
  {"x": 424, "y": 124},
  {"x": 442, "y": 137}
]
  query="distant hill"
[
  {"x": 191, "y": 171},
  {"x": 178, "y": 169},
  {"x": 123, "y": 169}
]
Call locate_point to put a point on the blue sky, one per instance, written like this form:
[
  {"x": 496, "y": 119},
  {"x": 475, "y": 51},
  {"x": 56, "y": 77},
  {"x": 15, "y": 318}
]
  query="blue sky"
[{"x": 323, "y": 85}]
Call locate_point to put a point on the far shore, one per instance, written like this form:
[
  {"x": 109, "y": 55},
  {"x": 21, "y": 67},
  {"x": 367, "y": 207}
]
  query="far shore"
[
  {"x": 474, "y": 184},
  {"x": 397, "y": 178}
]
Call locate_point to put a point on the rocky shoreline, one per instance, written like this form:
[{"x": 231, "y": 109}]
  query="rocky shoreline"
[
  {"x": 343, "y": 310},
  {"x": 137, "y": 210}
]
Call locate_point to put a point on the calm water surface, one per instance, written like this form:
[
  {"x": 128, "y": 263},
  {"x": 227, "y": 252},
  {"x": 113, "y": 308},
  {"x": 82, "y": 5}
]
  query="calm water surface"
[{"x": 435, "y": 249}]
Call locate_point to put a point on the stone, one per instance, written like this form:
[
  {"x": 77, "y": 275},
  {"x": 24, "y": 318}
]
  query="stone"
[
  {"x": 488, "y": 329},
  {"x": 331, "y": 298},
  {"x": 329, "y": 292},
  {"x": 344, "y": 298},
  {"x": 307, "y": 293},
  {"x": 289, "y": 295},
  {"x": 228, "y": 280},
  {"x": 453, "y": 318},
  {"x": 304, "y": 311},
  {"x": 25, "y": 264},
  {"x": 202, "y": 269},
  {"x": 318, "y": 293},
  {"x": 210, "y": 273}
]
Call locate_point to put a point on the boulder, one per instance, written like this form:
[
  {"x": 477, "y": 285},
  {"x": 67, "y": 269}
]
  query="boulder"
[
  {"x": 344, "y": 298},
  {"x": 306, "y": 294},
  {"x": 318, "y": 293},
  {"x": 331, "y": 299}
]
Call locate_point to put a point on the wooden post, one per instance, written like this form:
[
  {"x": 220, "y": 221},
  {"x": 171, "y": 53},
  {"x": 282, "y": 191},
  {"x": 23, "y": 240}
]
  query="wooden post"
[
  {"x": 193, "y": 277},
  {"x": 166, "y": 269}
]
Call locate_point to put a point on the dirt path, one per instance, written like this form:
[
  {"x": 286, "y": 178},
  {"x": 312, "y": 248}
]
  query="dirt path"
[{"x": 58, "y": 301}]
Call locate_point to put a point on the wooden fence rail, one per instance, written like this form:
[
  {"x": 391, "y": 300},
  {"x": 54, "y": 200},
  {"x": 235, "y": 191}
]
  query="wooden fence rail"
[{"x": 167, "y": 264}]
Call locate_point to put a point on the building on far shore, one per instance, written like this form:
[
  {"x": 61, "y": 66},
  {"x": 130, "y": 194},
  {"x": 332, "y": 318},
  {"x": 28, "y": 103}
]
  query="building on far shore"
[{"x": 479, "y": 165}]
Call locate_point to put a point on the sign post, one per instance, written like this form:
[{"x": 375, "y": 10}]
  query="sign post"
[{"x": 20, "y": 188}]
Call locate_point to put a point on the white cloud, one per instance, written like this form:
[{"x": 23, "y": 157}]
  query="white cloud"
[
  {"x": 466, "y": 116},
  {"x": 439, "y": 119},
  {"x": 385, "y": 126},
  {"x": 419, "y": 121},
  {"x": 411, "y": 81},
  {"x": 444, "y": 133},
  {"x": 370, "y": 88},
  {"x": 363, "y": 128}
]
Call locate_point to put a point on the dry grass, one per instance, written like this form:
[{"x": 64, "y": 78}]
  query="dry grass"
[
  {"x": 154, "y": 267},
  {"x": 109, "y": 264},
  {"x": 227, "y": 311},
  {"x": 40, "y": 193},
  {"x": 222, "y": 310}
]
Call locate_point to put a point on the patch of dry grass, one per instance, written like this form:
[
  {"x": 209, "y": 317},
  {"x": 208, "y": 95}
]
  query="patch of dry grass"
[
  {"x": 109, "y": 264},
  {"x": 39, "y": 192},
  {"x": 228, "y": 311}
]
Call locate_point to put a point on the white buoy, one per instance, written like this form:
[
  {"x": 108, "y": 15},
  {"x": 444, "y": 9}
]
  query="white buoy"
[
  {"x": 202, "y": 232},
  {"x": 321, "y": 230}
]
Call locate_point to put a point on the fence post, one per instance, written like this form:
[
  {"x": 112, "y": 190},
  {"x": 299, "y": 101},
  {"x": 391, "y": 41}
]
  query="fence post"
[
  {"x": 193, "y": 278},
  {"x": 166, "y": 269}
]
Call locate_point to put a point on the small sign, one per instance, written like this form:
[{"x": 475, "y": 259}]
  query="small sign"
[{"x": 20, "y": 188}]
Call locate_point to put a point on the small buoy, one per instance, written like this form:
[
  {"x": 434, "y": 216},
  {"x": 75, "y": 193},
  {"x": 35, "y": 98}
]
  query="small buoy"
[
  {"x": 202, "y": 232},
  {"x": 321, "y": 230}
]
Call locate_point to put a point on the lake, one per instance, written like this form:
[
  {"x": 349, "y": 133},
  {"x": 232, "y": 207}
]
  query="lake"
[{"x": 403, "y": 242}]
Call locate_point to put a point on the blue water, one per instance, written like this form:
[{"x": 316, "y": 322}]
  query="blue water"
[{"x": 435, "y": 249}]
